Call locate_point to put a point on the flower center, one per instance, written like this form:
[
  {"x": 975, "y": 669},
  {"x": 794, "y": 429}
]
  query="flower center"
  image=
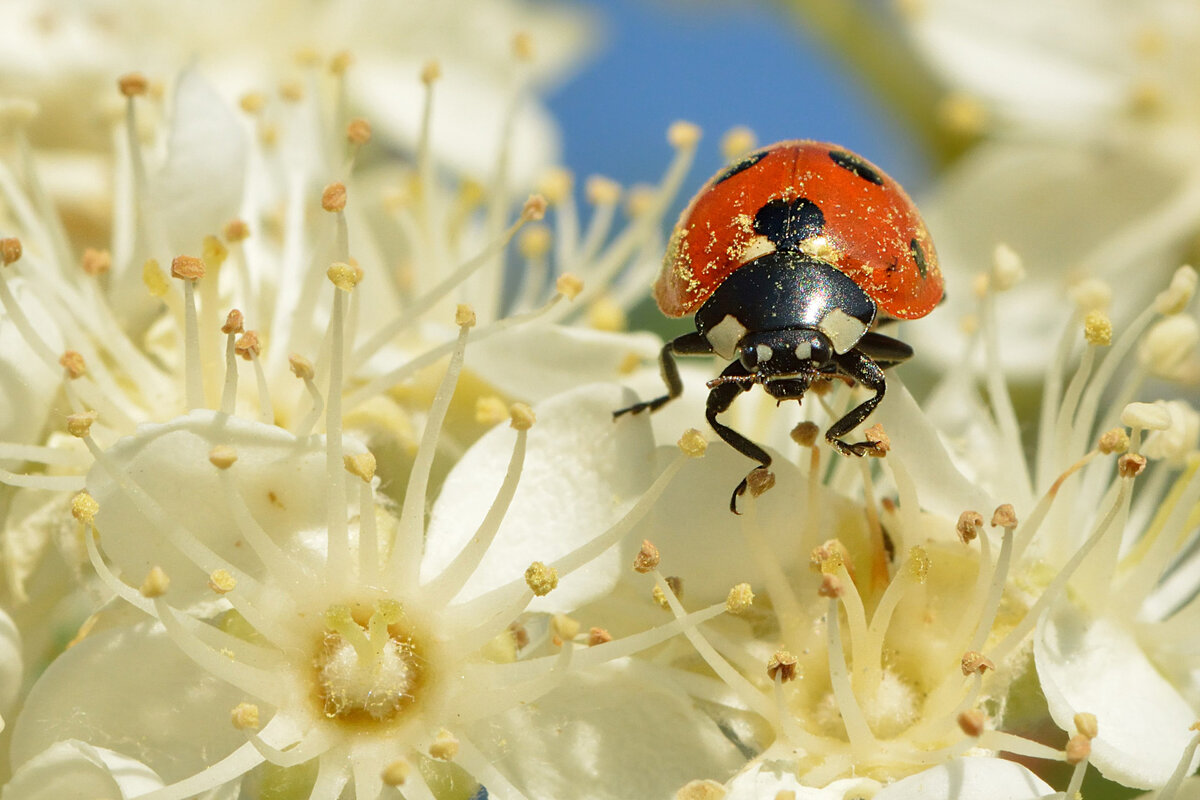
[{"x": 369, "y": 671}]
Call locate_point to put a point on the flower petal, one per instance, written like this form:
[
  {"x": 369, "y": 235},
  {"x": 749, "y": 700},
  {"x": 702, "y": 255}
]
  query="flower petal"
[
  {"x": 984, "y": 778},
  {"x": 11, "y": 668},
  {"x": 771, "y": 778},
  {"x": 1095, "y": 665},
  {"x": 75, "y": 769}
]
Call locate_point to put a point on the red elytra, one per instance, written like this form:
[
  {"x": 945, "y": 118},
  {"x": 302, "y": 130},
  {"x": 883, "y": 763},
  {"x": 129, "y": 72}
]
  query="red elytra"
[{"x": 872, "y": 231}]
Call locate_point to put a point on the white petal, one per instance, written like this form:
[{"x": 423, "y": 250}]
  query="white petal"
[
  {"x": 1188, "y": 789},
  {"x": 178, "y": 725},
  {"x": 534, "y": 362},
  {"x": 582, "y": 471},
  {"x": 983, "y": 778},
  {"x": 1095, "y": 665},
  {"x": 615, "y": 735},
  {"x": 11, "y": 668},
  {"x": 200, "y": 187},
  {"x": 768, "y": 779},
  {"x": 75, "y": 770}
]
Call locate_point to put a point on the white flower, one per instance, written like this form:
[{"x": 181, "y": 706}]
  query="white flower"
[{"x": 76, "y": 769}]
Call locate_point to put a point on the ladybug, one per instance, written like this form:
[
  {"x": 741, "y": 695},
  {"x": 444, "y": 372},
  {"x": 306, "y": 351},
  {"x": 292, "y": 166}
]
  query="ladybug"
[{"x": 789, "y": 259}]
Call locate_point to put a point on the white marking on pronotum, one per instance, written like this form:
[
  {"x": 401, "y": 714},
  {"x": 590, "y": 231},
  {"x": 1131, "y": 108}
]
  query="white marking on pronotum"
[
  {"x": 804, "y": 351},
  {"x": 843, "y": 330},
  {"x": 764, "y": 352},
  {"x": 724, "y": 336}
]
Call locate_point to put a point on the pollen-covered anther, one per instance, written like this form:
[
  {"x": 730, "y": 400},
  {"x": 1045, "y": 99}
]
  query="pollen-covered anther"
[
  {"x": 1079, "y": 747},
  {"x": 236, "y": 230},
  {"x": 187, "y": 268},
  {"x": 343, "y": 276},
  {"x": 805, "y": 434},
  {"x": 976, "y": 663},
  {"x": 155, "y": 584},
  {"x": 223, "y": 456},
  {"x": 521, "y": 417},
  {"x": 96, "y": 262},
  {"x": 969, "y": 526},
  {"x": 234, "y": 322},
  {"x": 701, "y": 790},
  {"x": 396, "y": 773},
  {"x": 541, "y": 579},
  {"x": 247, "y": 345},
  {"x": 647, "y": 558},
  {"x": 358, "y": 131},
  {"x": 360, "y": 465},
  {"x": 918, "y": 563},
  {"x": 1166, "y": 347},
  {"x": 879, "y": 439},
  {"x": 221, "y": 582},
  {"x": 1097, "y": 329},
  {"x": 959, "y": 112},
  {"x": 692, "y": 443},
  {"x": 73, "y": 364},
  {"x": 520, "y": 634},
  {"x": 490, "y": 410},
  {"x": 740, "y": 599},
  {"x": 1091, "y": 294},
  {"x": 568, "y": 285},
  {"x": 133, "y": 84},
  {"x": 534, "y": 208},
  {"x": 674, "y": 586},
  {"x": 301, "y": 367},
  {"x": 737, "y": 141},
  {"x": 683, "y": 134},
  {"x": 981, "y": 284},
  {"x": 598, "y": 636},
  {"x": 445, "y": 746},
  {"x": 564, "y": 628},
  {"x": 782, "y": 664},
  {"x": 244, "y": 717},
  {"x": 1113, "y": 441},
  {"x": 1007, "y": 268},
  {"x": 1086, "y": 725},
  {"x": 829, "y": 556},
  {"x": 84, "y": 508},
  {"x": 759, "y": 481},
  {"x": 1146, "y": 416},
  {"x": 291, "y": 91},
  {"x": 1131, "y": 465},
  {"x": 252, "y": 102},
  {"x": 971, "y": 722},
  {"x": 431, "y": 71},
  {"x": 341, "y": 61},
  {"x": 831, "y": 586},
  {"x": 535, "y": 242},
  {"x": 464, "y": 316},
  {"x": 555, "y": 184},
  {"x": 10, "y": 250},
  {"x": 639, "y": 199},
  {"x": 605, "y": 315},
  {"x": 629, "y": 364},
  {"x": 333, "y": 197},
  {"x": 80, "y": 425},
  {"x": 602, "y": 191},
  {"x": 1004, "y": 516},
  {"x": 1178, "y": 294},
  {"x": 154, "y": 279}
]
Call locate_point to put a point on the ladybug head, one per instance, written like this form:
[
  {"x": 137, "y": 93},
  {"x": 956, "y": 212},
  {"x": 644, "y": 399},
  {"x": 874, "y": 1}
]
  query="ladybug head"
[{"x": 785, "y": 362}]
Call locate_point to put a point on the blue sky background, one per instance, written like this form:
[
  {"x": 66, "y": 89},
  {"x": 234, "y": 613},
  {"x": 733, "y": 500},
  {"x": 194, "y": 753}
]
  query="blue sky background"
[{"x": 718, "y": 64}]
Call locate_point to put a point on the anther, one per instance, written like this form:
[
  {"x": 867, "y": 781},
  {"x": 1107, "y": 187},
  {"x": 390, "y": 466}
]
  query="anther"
[
  {"x": 683, "y": 135},
  {"x": 252, "y": 102},
  {"x": 918, "y": 563},
  {"x": 213, "y": 252},
  {"x": 976, "y": 663},
  {"x": 223, "y": 456},
  {"x": 155, "y": 584},
  {"x": 520, "y": 635},
  {"x": 969, "y": 526},
  {"x": 1091, "y": 294},
  {"x": 247, "y": 346},
  {"x": 759, "y": 481},
  {"x": 541, "y": 579},
  {"x": 1178, "y": 294},
  {"x": 831, "y": 586},
  {"x": 597, "y": 636},
  {"x": 84, "y": 508},
  {"x": 880, "y": 441},
  {"x": 234, "y": 322},
  {"x": 343, "y": 276},
  {"x": 301, "y": 367},
  {"x": 80, "y": 425},
  {"x": 221, "y": 582},
  {"x": 782, "y": 664},
  {"x": 396, "y": 773},
  {"x": 1146, "y": 416},
  {"x": 602, "y": 191},
  {"x": 692, "y": 443},
  {"x": 1165, "y": 348},
  {"x": 828, "y": 557},
  {"x": 444, "y": 747},
  {"x": 10, "y": 250},
  {"x": 522, "y": 46},
  {"x": 1004, "y": 516},
  {"x": 534, "y": 208},
  {"x": 73, "y": 364},
  {"x": 244, "y": 717},
  {"x": 188, "y": 268},
  {"x": 647, "y": 558},
  {"x": 1113, "y": 441},
  {"x": 701, "y": 790},
  {"x": 568, "y": 285},
  {"x": 1097, "y": 329},
  {"x": 564, "y": 628},
  {"x": 154, "y": 279},
  {"x": 740, "y": 599},
  {"x": 96, "y": 262},
  {"x": 333, "y": 198},
  {"x": 805, "y": 434},
  {"x": 340, "y": 62},
  {"x": 360, "y": 465},
  {"x": 521, "y": 417},
  {"x": 1087, "y": 725},
  {"x": 1131, "y": 465},
  {"x": 133, "y": 84},
  {"x": 971, "y": 722},
  {"x": 556, "y": 184},
  {"x": 1007, "y": 268},
  {"x": 358, "y": 131},
  {"x": 1079, "y": 747},
  {"x": 236, "y": 230},
  {"x": 639, "y": 199},
  {"x": 464, "y": 316},
  {"x": 535, "y": 242},
  {"x": 736, "y": 142},
  {"x": 430, "y": 72},
  {"x": 291, "y": 91},
  {"x": 959, "y": 112}
]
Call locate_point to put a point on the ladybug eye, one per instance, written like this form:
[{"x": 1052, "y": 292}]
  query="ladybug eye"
[
  {"x": 749, "y": 357},
  {"x": 820, "y": 352}
]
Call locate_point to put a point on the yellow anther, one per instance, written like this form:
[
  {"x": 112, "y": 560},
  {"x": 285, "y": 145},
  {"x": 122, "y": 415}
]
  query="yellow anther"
[
  {"x": 692, "y": 443},
  {"x": 521, "y": 416},
  {"x": 84, "y": 508},
  {"x": 245, "y": 717},
  {"x": 782, "y": 664},
  {"x": 74, "y": 365},
  {"x": 647, "y": 558},
  {"x": 541, "y": 579},
  {"x": 683, "y": 135},
  {"x": 221, "y": 582},
  {"x": 234, "y": 322},
  {"x": 360, "y": 465},
  {"x": 568, "y": 285},
  {"x": 464, "y": 316},
  {"x": 188, "y": 268},
  {"x": 155, "y": 584},
  {"x": 1097, "y": 329},
  {"x": 333, "y": 197},
  {"x": 96, "y": 262},
  {"x": 154, "y": 279},
  {"x": 223, "y": 456},
  {"x": 740, "y": 599},
  {"x": 343, "y": 276},
  {"x": 133, "y": 84}
]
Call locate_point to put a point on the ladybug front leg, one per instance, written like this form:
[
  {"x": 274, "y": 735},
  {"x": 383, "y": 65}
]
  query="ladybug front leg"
[
  {"x": 690, "y": 344},
  {"x": 868, "y": 373},
  {"x": 720, "y": 398}
]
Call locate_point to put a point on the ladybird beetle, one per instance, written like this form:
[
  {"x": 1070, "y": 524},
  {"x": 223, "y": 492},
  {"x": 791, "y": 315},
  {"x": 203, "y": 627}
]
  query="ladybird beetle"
[{"x": 789, "y": 259}]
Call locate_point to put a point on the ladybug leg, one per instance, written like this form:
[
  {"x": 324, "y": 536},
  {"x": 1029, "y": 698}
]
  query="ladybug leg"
[
  {"x": 720, "y": 398},
  {"x": 690, "y": 344},
  {"x": 865, "y": 371},
  {"x": 883, "y": 350}
]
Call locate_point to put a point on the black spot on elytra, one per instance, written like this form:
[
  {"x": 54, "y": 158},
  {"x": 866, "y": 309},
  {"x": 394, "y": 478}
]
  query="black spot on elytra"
[
  {"x": 852, "y": 163},
  {"x": 788, "y": 223},
  {"x": 741, "y": 166},
  {"x": 919, "y": 256}
]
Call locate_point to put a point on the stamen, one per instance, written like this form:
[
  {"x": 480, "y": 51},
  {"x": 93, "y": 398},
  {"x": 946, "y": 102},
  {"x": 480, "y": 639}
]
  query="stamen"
[
  {"x": 1170, "y": 790},
  {"x": 232, "y": 327},
  {"x": 189, "y": 270},
  {"x": 302, "y": 368},
  {"x": 313, "y": 744},
  {"x": 1005, "y": 517},
  {"x": 369, "y": 561},
  {"x": 335, "y": 497},
  {"x": 227, "y": 770}
]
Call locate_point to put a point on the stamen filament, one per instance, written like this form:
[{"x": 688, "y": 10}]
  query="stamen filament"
[
  {"x": 194, "y": 381},
  {"x": 995, "y": 592},
  {"x": 335, "y": 472},
  {"x": 862, "y": 740},
  {"x": 227, "y": 770}
]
